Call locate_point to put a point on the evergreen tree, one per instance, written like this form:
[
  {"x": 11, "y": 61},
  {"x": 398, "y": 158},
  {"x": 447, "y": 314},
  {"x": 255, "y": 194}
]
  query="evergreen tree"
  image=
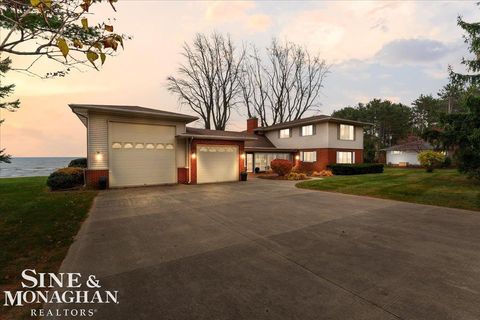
[{"x": 5, "y": 92}]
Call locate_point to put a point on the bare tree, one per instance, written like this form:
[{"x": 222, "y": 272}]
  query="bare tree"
[
  {"x": 209, "y": 80},
  {"x": 284, "y": 87}
]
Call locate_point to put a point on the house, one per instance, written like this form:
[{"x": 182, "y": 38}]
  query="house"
[
  {"x": 314, "y": 141},
  {"x": 406, "y": 154},
  {"x": 136, "y": 146}
]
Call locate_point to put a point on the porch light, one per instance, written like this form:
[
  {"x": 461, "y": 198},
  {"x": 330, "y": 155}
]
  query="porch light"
[
  {"x": 297, "y": 157},
  {"x": 194, "y": 155},
  {"x": 242, "y": 156},
  {"x": 99, "y": 156}
]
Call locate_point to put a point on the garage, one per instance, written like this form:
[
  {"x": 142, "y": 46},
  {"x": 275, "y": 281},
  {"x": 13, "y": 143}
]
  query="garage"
[
  {"x": 217, "y": 163},
  {"x": 141, "y": 154}
]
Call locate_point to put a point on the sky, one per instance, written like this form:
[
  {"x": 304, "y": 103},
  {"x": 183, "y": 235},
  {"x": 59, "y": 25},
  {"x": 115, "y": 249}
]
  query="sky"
[{"x": 388, "y": 50}]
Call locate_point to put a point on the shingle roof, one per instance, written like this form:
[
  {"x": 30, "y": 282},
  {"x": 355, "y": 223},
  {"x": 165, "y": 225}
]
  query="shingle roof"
[
  {"x": 417, "y": 145},
  {"x": 217, "y": 134},
  {"x": 133, "y": 110},
  {"x": 309, "y": 120}
]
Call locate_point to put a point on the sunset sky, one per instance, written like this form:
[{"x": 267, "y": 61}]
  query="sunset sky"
[{"x": 389, "y": 50}]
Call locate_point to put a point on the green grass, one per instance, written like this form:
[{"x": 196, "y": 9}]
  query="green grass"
[
  {"x": 36, "y": 226},
  {"x": 443, "y": 187}
]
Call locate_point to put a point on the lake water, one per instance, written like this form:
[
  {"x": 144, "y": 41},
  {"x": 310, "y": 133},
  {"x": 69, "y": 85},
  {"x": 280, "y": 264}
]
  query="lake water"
[{"x": 31, "y": 167}]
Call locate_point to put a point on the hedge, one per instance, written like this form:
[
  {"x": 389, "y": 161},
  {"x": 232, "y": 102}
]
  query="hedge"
[
  {"x": 78, "y": 163},
  {"x": 351, "y": 169},
  {"x": 65, "y": 178}
]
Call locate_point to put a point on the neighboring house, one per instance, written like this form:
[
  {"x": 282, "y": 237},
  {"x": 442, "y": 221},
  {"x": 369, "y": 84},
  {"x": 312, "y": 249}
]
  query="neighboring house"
[
  {"x": 406, "y": 154},
  {"x": 317, "y": 141},
  {"x": 136, "y": 146}
]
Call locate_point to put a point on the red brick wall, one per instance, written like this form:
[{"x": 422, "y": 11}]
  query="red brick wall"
[
  {"x": 92, "y": 177},
  {"x": 252, "y": 123},
  {"x": 326, "y": 156},
  {"x": 193, "y": 149},
  {"x": 182, "y": 175}
]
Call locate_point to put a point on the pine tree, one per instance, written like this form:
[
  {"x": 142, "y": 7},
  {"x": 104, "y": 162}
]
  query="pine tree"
[
  {"x": 6, "y": 91},
  {"x": 472, "y": 38}
]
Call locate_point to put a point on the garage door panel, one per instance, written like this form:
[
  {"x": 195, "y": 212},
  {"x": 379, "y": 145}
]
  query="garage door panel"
[
  {"x": 132, "y": 163},
  {"x": 217, "y": 163}
]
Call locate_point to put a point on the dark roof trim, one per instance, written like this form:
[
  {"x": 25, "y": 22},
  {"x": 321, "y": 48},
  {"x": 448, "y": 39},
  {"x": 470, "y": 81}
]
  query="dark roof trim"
[
  {"x": 214, "y": 137},
  {"x": 134, "y": 110},
  {"x": 269, "y": 150},
  {"x": 311, "y": 120}
]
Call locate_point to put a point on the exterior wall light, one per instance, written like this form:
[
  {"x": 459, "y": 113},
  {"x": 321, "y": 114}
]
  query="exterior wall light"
[
  {"x": 194, "y": 155},
  {"x": 297, "y": 157},
  {"x": 242, "y": 156},
  {"x": 99, "y": 156}
]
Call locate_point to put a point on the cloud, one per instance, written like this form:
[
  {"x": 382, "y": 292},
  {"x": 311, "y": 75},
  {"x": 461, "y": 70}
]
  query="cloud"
[
  {"x": 237, "y": 13},
  {"x": 412, "y": 51}
]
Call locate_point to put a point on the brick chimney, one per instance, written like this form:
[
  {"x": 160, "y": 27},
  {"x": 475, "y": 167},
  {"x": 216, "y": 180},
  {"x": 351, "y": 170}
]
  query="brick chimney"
[{"x": 252, "y": 124}]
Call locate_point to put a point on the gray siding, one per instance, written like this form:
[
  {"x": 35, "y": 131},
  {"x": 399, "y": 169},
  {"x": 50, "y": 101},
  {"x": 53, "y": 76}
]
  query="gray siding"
[
  {"x": 405, "y": 156},
  {"x": 326, "y": 136}
]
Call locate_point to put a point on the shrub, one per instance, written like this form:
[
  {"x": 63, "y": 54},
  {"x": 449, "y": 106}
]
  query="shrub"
[
  {"x": 431, "y": 159},
  {"x": 323, "y": 173},
  {"x": 281, "y": 167},
  {"x": 78, "y": 163},
  {"x": 307, "y": 167},
  {"x": 65, "y": 178},
  {"x": 351, "y": 169},
  {"x": 297, "y": 176}
]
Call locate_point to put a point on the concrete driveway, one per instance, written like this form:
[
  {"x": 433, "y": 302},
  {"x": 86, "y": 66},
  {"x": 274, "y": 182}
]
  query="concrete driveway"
[{"x": 267, "y": 250}]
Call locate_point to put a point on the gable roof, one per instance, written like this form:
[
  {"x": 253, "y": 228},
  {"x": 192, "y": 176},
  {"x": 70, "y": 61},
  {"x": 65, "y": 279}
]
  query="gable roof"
[
  {"x": 132, "y": 111},
  {"x": 310, "y": 120},
  {"x": 416, "y": 145}
]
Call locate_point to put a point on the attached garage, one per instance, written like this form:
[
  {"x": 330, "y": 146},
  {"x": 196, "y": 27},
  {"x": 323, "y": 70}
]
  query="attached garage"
[
  {"x": 217, "y": 163},
  {"x": 141, "y": 154}
]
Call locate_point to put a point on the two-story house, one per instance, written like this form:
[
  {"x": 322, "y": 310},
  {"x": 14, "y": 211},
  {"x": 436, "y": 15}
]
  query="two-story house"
[
  {"x": 318, "y": 140},
  {"x": 136, "y": 146}
]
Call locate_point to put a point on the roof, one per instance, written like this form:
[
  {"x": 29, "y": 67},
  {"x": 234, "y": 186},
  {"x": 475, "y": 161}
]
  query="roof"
[
  {"x": 416, "y": 145},
  {"x": 263, "y": 144},
  {"x": 133, "y": 110},
  {"x": 310, "y": 120},
  {"x": 216, "y": 134}
]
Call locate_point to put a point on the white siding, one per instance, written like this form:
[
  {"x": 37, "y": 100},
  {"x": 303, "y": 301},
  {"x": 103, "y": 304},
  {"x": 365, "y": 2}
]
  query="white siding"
[
  {"x": 405, "y": 156},
  {"x": 98, "y": 137}
]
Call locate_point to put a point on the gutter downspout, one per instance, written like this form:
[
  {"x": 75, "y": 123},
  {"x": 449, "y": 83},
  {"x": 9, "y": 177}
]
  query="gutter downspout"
[
  {"x": 84, "y": 169},
  {"x": 189, "y": 141}
]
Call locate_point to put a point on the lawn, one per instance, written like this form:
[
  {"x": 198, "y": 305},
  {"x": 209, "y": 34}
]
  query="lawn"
[
  {"x": 443, "y": 187},
  {"x": 36, "y": 227}
]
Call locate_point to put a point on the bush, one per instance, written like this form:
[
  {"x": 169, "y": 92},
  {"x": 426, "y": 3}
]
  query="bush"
[
  {"x": 431, "y": 159},
  {"x": 65, "y": 178},
  {"x": 307, "y": 167},
  {"x": 281, "y": 167},
  {"x": 78, "y": 163},
  {"x": 351, "y": 169},
  {"x": 297, "y": 176},
  {"x": 323, "y": 173}
]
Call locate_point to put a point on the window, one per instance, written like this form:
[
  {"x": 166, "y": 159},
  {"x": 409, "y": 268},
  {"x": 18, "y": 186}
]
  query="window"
[
  {"x": 139, "y": 145},
  {"x": 345, "y": 157},
  {"x": 150, "y": 146},
  {"x": 307, "y": 130},
  {"x": 396, "y": 152},
  {"x": 346, "y": 132},
  {"x": 160, "y": 146},
  {"x": 116, "y": 145},
  {"x": 128, "y": 145},
  {"x": 308, "y": 156},
  {"x": 262, "y": 160},
  {"x": 169, "y": 146},
  {"x": 284, "y": 133}
]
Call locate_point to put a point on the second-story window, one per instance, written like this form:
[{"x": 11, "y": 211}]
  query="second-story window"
[
  {"x": 307, "y": 130},
  {"x": 284, "y": 133},
  {"x": 346, "y": 132}
]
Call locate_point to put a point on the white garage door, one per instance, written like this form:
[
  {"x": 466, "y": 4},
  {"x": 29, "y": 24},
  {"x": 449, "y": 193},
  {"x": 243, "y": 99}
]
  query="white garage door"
[
  {"x": 217, "y": 163},
  {"x": 141, "y": 154}
]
